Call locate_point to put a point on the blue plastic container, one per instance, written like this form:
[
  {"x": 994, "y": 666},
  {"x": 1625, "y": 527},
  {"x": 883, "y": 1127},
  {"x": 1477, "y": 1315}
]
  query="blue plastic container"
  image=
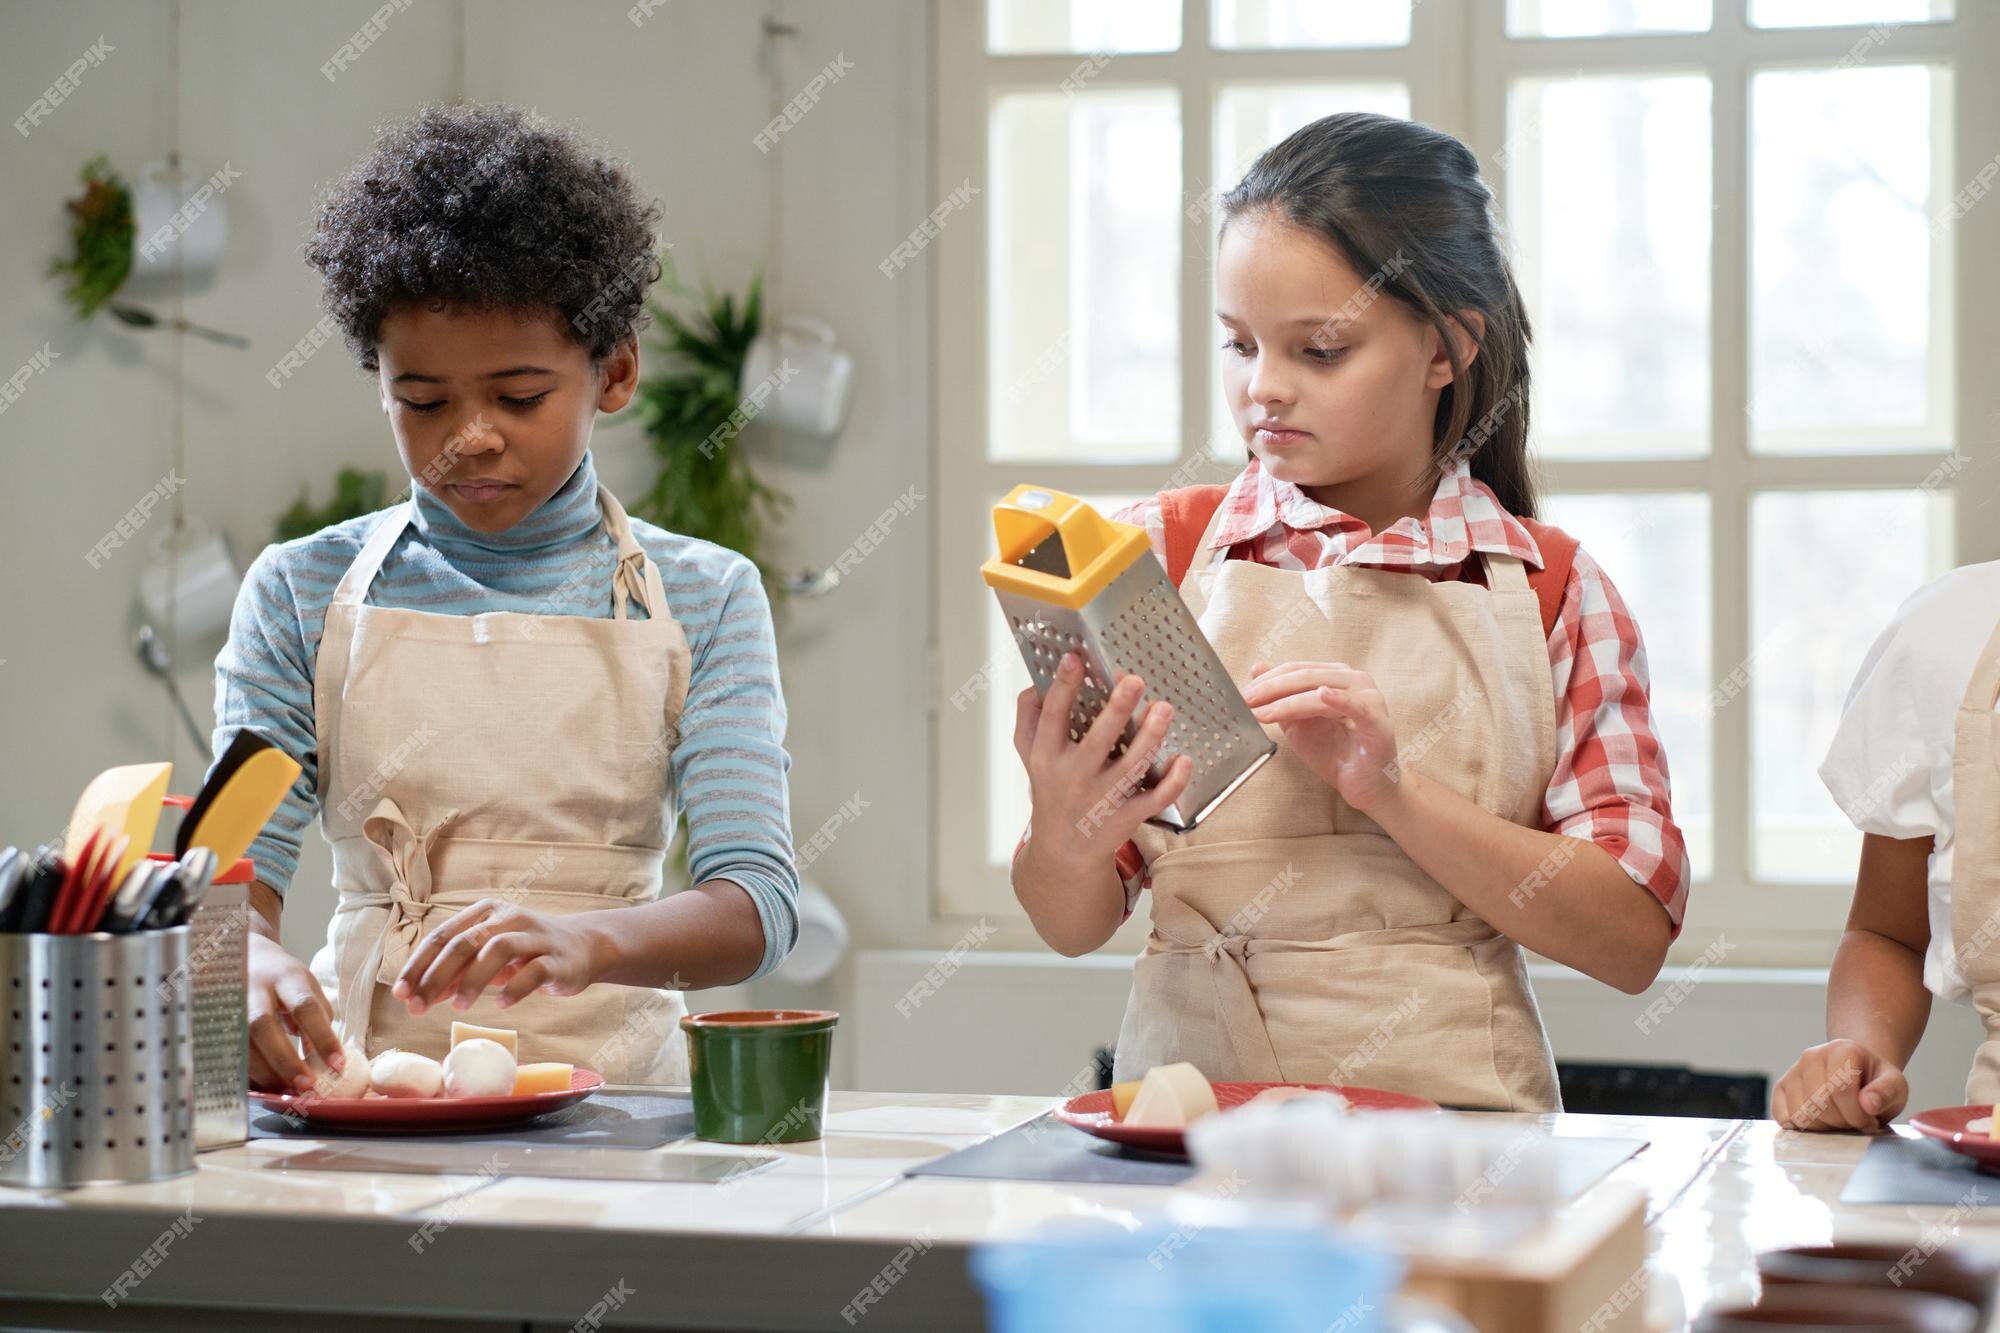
[{"x": 1186, "y": 1279}]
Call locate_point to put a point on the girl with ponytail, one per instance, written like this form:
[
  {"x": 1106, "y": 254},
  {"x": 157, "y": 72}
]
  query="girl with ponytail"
[{"x": 1468, "y": 767}]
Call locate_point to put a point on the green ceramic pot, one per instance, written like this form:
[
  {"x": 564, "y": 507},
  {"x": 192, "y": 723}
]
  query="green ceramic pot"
[{"x": 759, "y": 1075}]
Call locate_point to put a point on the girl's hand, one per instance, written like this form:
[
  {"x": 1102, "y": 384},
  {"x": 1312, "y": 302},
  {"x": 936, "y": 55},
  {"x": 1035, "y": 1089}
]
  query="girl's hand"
[
  {"x": 1839, "y": 1085},
  {"x": 1336, "y": 721},
  {"x": 497, "y": 943},
  {"x": 1086, "y": 804}
]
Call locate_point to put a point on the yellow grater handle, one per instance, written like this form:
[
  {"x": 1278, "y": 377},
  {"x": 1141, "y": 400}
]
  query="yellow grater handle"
[{"x": 1098, "y": 549}]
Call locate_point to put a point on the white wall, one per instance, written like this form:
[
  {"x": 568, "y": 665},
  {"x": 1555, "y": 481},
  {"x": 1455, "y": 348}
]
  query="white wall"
[{"x": 681, "y": 97}]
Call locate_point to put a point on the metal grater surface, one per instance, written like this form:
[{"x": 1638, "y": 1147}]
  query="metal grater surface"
[
  {"x": 218, "y": 944},
  {"x": 1139, "y": 626}
]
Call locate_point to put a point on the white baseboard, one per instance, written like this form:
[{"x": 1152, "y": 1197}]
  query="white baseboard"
[{"x": 1019, "y": 1022}]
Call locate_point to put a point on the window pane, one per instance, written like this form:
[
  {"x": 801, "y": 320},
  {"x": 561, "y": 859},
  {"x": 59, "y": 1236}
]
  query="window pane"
[
  {"x": 1266, "y": 24},
  {"x": 1015, "y": 27},
  {"x": 1828, "y": 569},
  {"x": 1831, "y": 13},
  {"x": 1847, "y": 310},
  {"x": 1655, "y": 550},
  {"x": 1249, "y": 118},
  {"x": 1608, "y": 199},
  {"x": 1005, "y": 677},
  {"x": 1084, "y": 341},
  {"x": 1600, "y": 18}
]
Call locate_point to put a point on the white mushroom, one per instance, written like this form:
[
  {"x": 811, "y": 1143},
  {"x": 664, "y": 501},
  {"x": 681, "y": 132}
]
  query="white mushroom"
[
  {"x": 406, "y": 1074},
  {"x": 479, "y": 1068}
]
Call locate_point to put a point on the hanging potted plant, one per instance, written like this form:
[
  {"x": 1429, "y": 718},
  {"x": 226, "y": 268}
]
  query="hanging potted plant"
[
  {"x": 101, "y": 232},
  {"x": 692, "y": 414}
]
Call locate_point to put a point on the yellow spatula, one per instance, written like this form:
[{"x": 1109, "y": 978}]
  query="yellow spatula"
[
  {"x": 119, "y": 800},
  {"x": 243, "y": 805}
]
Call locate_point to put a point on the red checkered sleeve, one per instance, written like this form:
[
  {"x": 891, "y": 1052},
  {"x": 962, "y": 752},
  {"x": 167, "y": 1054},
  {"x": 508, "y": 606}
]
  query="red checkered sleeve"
[{"x": 1610, "y": 783}]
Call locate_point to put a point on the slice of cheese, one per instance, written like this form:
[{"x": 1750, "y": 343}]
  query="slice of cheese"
[
  {"x": 1121, "y": 1098},
  {"x": 1171, "y": 1097},
  {"x": 550, "y": 1077},
  {"x": 505, "y": 1036}
]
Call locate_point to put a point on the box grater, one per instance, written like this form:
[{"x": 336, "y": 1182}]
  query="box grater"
[
  {"x": 218, "y": 950},
  {"x": 1071, "y": 580}
]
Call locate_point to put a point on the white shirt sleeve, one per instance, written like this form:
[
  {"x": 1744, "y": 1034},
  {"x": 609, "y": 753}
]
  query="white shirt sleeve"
[{"x": 1881, "y": 766}]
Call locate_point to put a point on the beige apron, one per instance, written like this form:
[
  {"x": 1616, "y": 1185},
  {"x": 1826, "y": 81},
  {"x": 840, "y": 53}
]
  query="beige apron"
[
  {"x": 1975, "y": 863},
  {"x": 508, "y": 755},
  {"x": 1291, "y": 938}
]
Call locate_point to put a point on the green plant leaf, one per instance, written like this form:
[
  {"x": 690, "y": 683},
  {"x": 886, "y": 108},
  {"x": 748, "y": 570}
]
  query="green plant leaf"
[
  {"x": 101, "y": 230},
  {"x": 703, "y": 490},
  {"x": 355, "y": 492}
]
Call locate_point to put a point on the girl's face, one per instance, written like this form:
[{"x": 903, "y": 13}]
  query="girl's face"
[
  {"x": 492, "y": 409},
  {"x": 1332, "y": 385}
]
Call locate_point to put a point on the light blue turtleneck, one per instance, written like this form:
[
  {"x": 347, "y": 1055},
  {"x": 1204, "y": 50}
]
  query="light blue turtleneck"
[{"x": 729, "y": 770}]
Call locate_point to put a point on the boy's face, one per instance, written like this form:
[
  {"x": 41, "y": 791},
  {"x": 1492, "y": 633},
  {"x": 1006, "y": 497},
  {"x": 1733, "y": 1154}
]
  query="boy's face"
[{"x": 492, "y": 409}]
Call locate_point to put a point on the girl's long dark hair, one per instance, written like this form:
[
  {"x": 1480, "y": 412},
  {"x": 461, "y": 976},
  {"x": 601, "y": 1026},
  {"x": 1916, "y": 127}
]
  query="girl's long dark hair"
[{"x": 1405, "y": 205}]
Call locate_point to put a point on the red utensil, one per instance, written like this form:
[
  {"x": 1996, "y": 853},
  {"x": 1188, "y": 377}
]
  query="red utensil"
[
  {"x": 73, "y": 874},
  {"x": 103, "y": 884}
]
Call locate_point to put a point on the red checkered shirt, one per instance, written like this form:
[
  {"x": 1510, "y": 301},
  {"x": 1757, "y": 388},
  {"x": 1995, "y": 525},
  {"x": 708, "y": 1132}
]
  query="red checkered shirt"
[{"x": 1610, "y": 783}]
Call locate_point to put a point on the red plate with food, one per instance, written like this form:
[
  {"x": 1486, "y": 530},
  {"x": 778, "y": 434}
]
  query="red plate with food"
[
  {"x": 1093, "y": 1114},
  {"x": 1963, "y": 1129},
  {"x": 417, "y": 1114}
]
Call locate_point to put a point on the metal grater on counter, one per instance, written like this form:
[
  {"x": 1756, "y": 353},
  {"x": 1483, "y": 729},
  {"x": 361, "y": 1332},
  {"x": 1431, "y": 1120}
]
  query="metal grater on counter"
[
  {"x": 1071, "y": 580},
  {"x": 218, "y": 945}
]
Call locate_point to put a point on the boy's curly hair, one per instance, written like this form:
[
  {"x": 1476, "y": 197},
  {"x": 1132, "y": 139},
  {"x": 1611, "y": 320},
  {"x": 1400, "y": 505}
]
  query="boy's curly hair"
[{"x": 487, "y": 207}]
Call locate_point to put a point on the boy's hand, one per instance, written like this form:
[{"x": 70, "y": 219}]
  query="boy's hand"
[
  {"x": 497, "y": 943},
  {"x": 284, "y": 1000},
  {"x": 1086, "y": 804},
  {"x": 1839, "y": 1085}
]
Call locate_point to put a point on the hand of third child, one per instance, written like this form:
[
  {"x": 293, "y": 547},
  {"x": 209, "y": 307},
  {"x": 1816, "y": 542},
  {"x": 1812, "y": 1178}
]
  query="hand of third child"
[
  {"x": 1839, "y": 1085},
  {"x": 1335, "y": 720},
  {"x": 1087, "y": 803}
]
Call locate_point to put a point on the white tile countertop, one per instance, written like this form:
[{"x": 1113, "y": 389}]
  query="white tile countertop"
[{"x": 784, "y": 1246}]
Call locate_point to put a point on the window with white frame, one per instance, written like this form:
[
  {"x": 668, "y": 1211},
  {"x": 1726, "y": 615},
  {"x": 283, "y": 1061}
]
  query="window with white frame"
[{"x": 1731, "y": 223}]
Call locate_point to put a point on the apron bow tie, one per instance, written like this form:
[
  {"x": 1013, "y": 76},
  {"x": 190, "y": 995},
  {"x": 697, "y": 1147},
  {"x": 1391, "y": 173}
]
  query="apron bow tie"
[
  {"x": 405, "y": 855},
  {"x": 629, "y": 581},
  {"x": 1235, "y": 945}
]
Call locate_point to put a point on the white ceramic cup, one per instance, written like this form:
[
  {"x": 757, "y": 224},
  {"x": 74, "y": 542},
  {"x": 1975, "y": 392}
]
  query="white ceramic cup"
[
  {"x": 201, "y": 594},
  {"x": 798, "y": 379},
  {"x": 178, "y": 211}
]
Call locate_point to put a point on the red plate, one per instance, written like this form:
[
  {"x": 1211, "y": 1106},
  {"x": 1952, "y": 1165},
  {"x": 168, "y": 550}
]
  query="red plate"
[
  {"x": 428, "y": 1113},
  {"x": 1091, "y": 1112},
  {"x": 1947, "y": 1124}
]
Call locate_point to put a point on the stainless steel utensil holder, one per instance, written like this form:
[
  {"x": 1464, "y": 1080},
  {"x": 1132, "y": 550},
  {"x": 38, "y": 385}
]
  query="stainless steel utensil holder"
[{"x": 97, "y": 1060}]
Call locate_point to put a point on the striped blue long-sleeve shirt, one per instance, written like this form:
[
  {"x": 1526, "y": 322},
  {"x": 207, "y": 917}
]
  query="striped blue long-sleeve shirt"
[{"x": 729, "y": 769}]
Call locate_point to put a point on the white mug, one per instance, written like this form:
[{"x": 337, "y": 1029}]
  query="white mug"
[
  {"x": 201, "y": 594},
  {"x": 798, "y": 379},
  {"x": 178, "y": 210},
  {"x": 822, "y": 940}
]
